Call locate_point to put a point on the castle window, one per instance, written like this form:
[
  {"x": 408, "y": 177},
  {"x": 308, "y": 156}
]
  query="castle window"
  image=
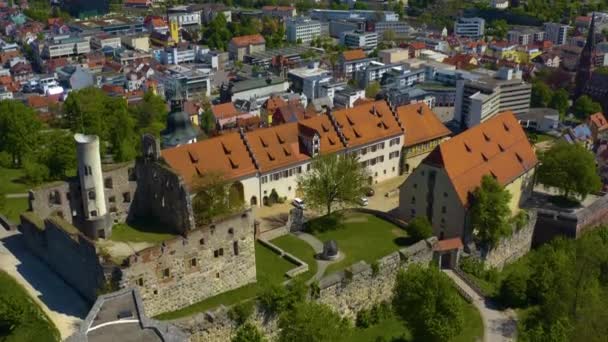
[
  {"x": 413, "y": 200},
  {"x": 235, "y": 247},
  {"x": 166, "y": 273},
  {"x": 93, "y": 213},
  {"x": 108, "y": 183},
  {"x": 126, "y": 197},
  {"x": 217, "y": 275},
  {"x": 91, "y": 195},
  {"x": 140, "y": 282},
  {"x": 221, "y": 251},
  {"x": 193, "y": 262},
  {"x": 112, "y": 199},
  {"x": 54, "y": 197},
  {"x": 231, "y": 231},
  {"x": 443, "y": 209},
  {"x": 155, "y": 292},
  {"x": 201, "y": 241}
]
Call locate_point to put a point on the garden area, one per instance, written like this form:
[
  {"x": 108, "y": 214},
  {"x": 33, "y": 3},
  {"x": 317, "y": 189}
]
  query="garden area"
[
  {"x": 270, "y": 268},
  {"x": 301, "y": 250},
  {"x": 140, "y": 231},
  {"x": 359, "y": 237},
  {"x": 21, "y": 319}
]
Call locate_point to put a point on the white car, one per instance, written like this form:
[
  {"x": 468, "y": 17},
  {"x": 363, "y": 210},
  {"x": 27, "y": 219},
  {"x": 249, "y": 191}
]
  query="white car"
[
  {"x": 298, "y": 203},
  {"x": 363, "y": 201}
]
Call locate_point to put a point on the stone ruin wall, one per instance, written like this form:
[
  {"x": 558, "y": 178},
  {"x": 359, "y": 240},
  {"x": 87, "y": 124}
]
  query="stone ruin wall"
[
  {"x": 514, "y": 247},
  {"x": 347, "y": 292},
  {"x": 186, "y": 270}
]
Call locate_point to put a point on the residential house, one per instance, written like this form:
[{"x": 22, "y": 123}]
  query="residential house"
[
  {"x": 599, "y": 127},
  {"x": 290, "y": 112},
  {"x": 580, "y": 134},
  {"x": 351, "y": 61},
  {"x": 22, "y": 72},
  {"x": 441, "y": 187},
  {"x": 246, "y": 45},
  {"x": 282, "y": 12}
]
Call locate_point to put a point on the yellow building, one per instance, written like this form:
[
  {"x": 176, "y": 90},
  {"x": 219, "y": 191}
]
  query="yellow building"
[{"x": 441, "y": 187}]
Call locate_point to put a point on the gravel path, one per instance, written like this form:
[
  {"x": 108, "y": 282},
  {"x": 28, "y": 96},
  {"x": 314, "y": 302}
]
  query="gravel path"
[
  {"x": 58, "y": 300},
  {"x": 317, "y": 245},
  {"x": 498, "y": 325}
]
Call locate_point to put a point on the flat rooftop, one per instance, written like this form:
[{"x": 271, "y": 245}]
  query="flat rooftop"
[{"x": 307, "y": 72}]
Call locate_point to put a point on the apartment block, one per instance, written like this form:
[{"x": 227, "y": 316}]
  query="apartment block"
[
  {"x": 302, "y": 30},
  {"x": 359, "y": 40},
  {"x": 469, "y": 27},
  {"x": 556, "y": 33}
]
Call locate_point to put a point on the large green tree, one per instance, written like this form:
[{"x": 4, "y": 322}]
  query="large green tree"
[
  {"x": 425, "y": 298},
  {"x": 420, "y": 228},
  {"x": 559, "y": 101},
  {"x": 19, "y": 130},
  {"x": 585, "y": 106},
  {"x": 58, "y": 153},
  {"x": 312, "y": 322},
  {"x": 490, "y": 212},
  {"x": 151, "y": 114},
  {"x": 541, "y": 94},
  {"x": 334, "y": 180},
  {"x": 569, "y": 168}
]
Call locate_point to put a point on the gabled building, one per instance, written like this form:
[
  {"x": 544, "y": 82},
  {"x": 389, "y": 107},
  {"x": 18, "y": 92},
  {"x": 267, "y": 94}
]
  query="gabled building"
[
  {"x": 246, "y": 45},
  {"x": 441, "y": 187}
]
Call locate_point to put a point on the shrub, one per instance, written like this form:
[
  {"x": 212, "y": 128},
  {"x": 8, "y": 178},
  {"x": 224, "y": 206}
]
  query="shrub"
[
  {"x": 521, "y": 219},
  {"x": 241, "y": 312},
  {"x": 375, "y": 268},
  {"x": 420, "y": 228},
  {"x": 35, "y": 173},
  {"x": 248, "y": 333},
  {"x": 363, "y": 319},
  {"x": 6, "y": 160},
  {"x": 472, "y": 266},
  {"x": 315, "y": 290},
  {"x": 513, "y": 288},
  {"x": 277, "y": 298}
]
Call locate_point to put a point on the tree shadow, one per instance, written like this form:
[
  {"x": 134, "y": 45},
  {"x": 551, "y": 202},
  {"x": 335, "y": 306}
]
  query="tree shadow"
[
  {"x": 404, "y": 241},
  {"x": 564, "y": 202},
  {"x": 325, "y": 223},
  {"x": 150, "y": 225},
  {"x": 277, "y": 221}
]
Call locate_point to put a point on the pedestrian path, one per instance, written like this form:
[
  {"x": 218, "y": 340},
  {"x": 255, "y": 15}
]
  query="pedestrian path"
[{"x": 317, "y": 245}]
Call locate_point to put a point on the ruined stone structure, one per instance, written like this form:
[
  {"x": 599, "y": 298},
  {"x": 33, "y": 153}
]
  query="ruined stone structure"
[{"x": 199, "y": 263}]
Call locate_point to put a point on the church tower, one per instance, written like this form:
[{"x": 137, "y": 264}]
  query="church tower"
[{"x": 585, "y": 66}]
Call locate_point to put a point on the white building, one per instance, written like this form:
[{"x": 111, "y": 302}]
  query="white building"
[
  {"x": 469, "y": 27},
  {"x": 309, "y": 81},
  {"x": 500, "y": 4},
  {"x": 185, "y": 15},
  {"x": 106, "y": 40},
  {"x": 64, "y": 46},
  {"x": 556, "y": 33},
  {"x": 359, "y": 39},
  {"x": 302, "y": 30}
]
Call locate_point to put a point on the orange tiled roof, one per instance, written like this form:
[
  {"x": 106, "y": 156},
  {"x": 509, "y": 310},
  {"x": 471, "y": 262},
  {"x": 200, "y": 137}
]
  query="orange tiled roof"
[
  {"x": 417, "y": 45},
  {"x": 224, "y": 110},
  {"x": 497, "y": 147},
  {"x": 320, "y": 124},
  {"x": 276, "y": 147},
  {"x": 352, "y": 55},
  {"x": 252, "y": 39},
  {"x": 459, "y": 60},
  {"x": 225, "y": 153},
  {"x": 420, "y": 124},
  {"x": 448, "y": 245},
  {"x": 367, "y": 123},
  {"x": 599, "y": 121},
  {"x": 273, "y": 103}
]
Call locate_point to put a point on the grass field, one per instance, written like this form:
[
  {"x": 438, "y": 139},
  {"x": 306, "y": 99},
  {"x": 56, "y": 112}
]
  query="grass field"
[
  {"x": 270, "y": 269},
  {"x": 10, "y": 181},
  {"x": 360, "y": 237},
  {"x": 21, "y": 319},
  {"x": 299, "y": 249},
  {"x": 140, "y": 232},
  {"x": 14, "y": 207}
]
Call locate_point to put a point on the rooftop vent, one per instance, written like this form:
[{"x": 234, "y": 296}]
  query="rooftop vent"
[
  {"x": 505, "y": 126},
  {"x": 264, "y": 144},
  {"x": 483, "y": 156},
  {"x": 270, "y": 156},
  {"x": 420, "y": 111},
  {"x": 486, "y": 137},
  {"x": 502, "y": 149},
  {"x": 280, "y": 139},
  {"x": 287, "y": 152},
  {"x": 466, "y": 146}
]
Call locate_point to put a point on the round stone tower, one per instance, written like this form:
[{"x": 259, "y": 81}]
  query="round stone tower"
[{"x": 96, "y": 220}]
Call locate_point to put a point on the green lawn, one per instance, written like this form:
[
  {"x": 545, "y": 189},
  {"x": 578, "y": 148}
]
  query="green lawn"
[
  {"x": 21, "y": 319},
  {"x": 360, "y": 237},
  {"x": 270, "y": 269},
  {"x": 123, "y": 232},
  {"x": 10, "y": 181},
  {"x": 14, "y": 207},
  {"x": 394, "y": 329},
  {"x": 299, "y": 249}
]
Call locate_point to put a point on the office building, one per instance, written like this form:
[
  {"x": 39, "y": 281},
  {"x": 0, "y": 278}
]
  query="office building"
[
  {"x": 309, "y": 81},
  {"x": 337, "y": 27},
  {"x": 242, "y": 46},
  {"x": 525, "y": 35},
  {"x": 63, "y": 46},
  {"x": 400, "y": 28},
  {"x": 469, "y": 27},
  {"x": 185, "y": 16},
  {"x": 359, "y": 40},
  {"x": 330, "y": 15},
  {"x": 556, "y": 33},
  {"x": 302, "y": 30}
]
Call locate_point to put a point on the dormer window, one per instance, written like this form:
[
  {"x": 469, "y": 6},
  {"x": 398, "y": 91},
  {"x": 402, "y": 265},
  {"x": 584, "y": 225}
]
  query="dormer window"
[
  {"x": 193, "y": 157},
  {"x": 264, "y": 144},
  {"x": 226, "y": 149},
  {"x": 270, "y": 156},
  {"x": 466, "y": 146},
  {"x": 233, "y": 164}
]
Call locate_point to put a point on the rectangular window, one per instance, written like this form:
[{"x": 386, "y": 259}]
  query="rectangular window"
[
  {"x": 235, "y": 247},
  {"x": 126, "y": 197},
  {"x": 221, "y": 251},
  {"x": 193, "y": 262},
  {"x": 166, "y": 273},
  {"x": 140, "y": 282}
]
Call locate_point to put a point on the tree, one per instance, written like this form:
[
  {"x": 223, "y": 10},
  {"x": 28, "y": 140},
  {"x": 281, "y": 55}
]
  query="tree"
[
  {"x": 513, "y": 289},
  {"x": 372, "y": 90},
  {"x": 58, "y": 153},
  {"x": 426, "y": 299},
  {"x": 585, "y": 106},
  {"x": 150, "y": 111},
  {"x": 85, "y": 112},
  {"x": 559, "y": 101},
  {"x": 569, "y": 168},
  {"x": 312, "y": 322},
  {"x": 248, "y": 333},
  {"x": 399, "y": 9},
  {"x": 499, "y": 29},
  {"x": 212, "y": 197},
  {"x": 490, "y": 212},
  {"x": 420, "y": 228},
  {"x": 19, "y": 130},
  {"x": 35, "y": 173},
  {"x": 333, "y": 180},
  {"x": 541, "y": 94},
  {"x": 121, "y": 130},
  {"x": 360, "y": 6},
  {"x": 389, "y": 35}
]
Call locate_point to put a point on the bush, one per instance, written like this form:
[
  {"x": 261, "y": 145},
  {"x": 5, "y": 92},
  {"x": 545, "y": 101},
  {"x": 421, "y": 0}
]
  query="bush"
[
  {"x": 372, "y": 316},
  {"x": 35, "y": 173},
  {"x": 375, "y": 268},
  {"x": 472, "y": 266},
  {"x": 240, "y": 313},
  {"x": 520, "y": 220},
  {"x": 248, "y": 333},
  {"x": 420, "y": 228},
  {"x": 277, "y": 298},
  {"x": 6, "y": 160},
  {"x": 514, "y": 287},
  {"x": 325, "y": 223},
  {"x": 363, "y": 319}
]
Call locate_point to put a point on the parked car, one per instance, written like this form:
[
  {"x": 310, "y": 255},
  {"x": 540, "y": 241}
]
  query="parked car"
[
  {"x": 369, "y": 191},
  {"x": 363, "y": 201},
  {"x": 298, "y": 203}
]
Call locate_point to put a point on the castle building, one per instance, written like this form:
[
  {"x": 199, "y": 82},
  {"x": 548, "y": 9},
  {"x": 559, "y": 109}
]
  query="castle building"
[{"x": 441, "y": 187}]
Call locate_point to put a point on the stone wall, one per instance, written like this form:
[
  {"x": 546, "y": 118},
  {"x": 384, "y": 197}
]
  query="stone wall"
[
  {"x": 203, "y": 263},
  {"x": 163, "y": 195},
  {"x": 514, "y": 247},
  {"x": 67, "y": 251},
  {"x": 347, "y": 292}
]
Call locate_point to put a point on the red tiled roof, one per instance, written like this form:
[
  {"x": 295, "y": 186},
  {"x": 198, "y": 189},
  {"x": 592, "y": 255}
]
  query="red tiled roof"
[
  {"x": 367, "y": 123},
  {"x": 253, "y": 39},
  {"x": 420, "y": 124},
  {"x": 417, "y": 45},
  {"x": 599, "y": 121},
  {"x": 448, "y": 245},
  {"x": 497, "y": 147},
  {"x": 352, "y": 55},
  {"x": 224, "y": 111}
]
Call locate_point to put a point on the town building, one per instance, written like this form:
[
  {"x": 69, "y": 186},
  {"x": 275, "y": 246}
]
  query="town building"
[
  {"x": 101, "y": 41},
  {"x": 241, "y": 46},
  {"x": 112, "y": 26},
  {"x": 337, "y": 27},
  {"x": 140, "y": 42},
  {"x": 440, "y": 187},
  {"x": 556, "y": 33},
  {"x": 359, "y": 40},
  {"x": 499, "y": 4},
  {"x": 302, "y": 30},
  {"x": 599, "y": 127},
  {"x": 187, "y": 16},
  {"x": 371, "y": 15},
  {"x": 480, "y": 99},
  {"x": 282, "y": 12},
  {"x": 395, "y": 55},
  {"x": 352, "y": 61},
  {"x": 62, "y": 46},
  {"x": 401, "y": 29},
  {"x": 470, "y": 27},
  {"x": 189, "y": 82},
  {"x": 524, "y": 35},
  {"x": 309, "y": 81}
]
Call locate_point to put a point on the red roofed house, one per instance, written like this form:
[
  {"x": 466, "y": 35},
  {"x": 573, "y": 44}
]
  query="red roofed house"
[
  {"x": 462, "y": 61},
  {"x": 138, "y": 3},
  {"x": 245, "y": 45},
  {"x": 226, "y": 115},
  {"x": 599, "y": 127},
  {"x": 415, "y": 48},
  {"x": 441, "y": 187},
  {"x": 282, "y": 12}
]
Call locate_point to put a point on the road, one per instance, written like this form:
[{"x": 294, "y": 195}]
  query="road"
[
  {"x": 58, "y": 300},
  {"x": 498, "y": 325}
]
